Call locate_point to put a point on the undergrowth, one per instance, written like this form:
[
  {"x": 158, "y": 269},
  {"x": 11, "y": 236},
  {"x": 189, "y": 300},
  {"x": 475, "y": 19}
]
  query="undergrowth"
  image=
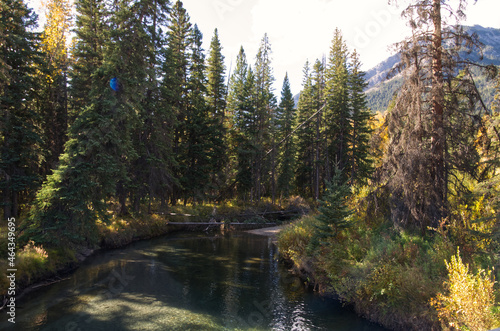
[{"x": 400, "y": 278}]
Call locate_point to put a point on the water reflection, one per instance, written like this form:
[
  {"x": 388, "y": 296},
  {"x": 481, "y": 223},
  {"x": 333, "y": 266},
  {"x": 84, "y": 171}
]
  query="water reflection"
[{"x": 184, "y": 283}]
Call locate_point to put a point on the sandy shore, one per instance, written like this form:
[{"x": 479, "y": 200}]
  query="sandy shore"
[{"x": 269, "y": 232}]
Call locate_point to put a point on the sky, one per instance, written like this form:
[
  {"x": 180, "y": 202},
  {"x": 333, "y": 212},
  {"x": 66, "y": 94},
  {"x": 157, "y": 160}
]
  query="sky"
[{"x": 302, "y": 30}]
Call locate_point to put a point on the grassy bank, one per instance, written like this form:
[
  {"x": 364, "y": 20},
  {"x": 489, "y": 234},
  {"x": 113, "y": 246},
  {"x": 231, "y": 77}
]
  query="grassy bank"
[{"x": 397, "y": 278}]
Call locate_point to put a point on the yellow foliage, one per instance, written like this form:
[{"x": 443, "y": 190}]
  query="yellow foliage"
[
  {"x": 379, "y": 139},
  {"x": 294, "y": 238},
  {"x": 54, "y": 36},
  {"x": 470, "y": 298}
]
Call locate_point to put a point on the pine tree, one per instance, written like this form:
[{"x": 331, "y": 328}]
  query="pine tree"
[
  {"x": 237, "y": 84},
  {"x": 53, "y": 98},
  {"x": 285, "y": 118},
  {"x": 198, "y": 133},
  {"x": 150, "y": 174},
  {"x": 337, "y": 112},
  {"x": 318, "y": 90},
  {"x": 174, "y": 87},
  {"x": 241, "y": 108},
  {"x": 19, "y": 134},
  {"x": 264, "y": 111},
  {"x": 434, "y": 116},
  {"x": 91, "y": 37},
  {"x": 361, "y": 166},
  {"x": 100, "y": 147},
  {"x": 305, "y": 137},
  {"x": 333, "y": 208},
  {"x": 216, "y": 99}
]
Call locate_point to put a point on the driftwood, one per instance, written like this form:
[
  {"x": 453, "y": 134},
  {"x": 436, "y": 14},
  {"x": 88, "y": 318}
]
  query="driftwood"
[
  {"x": 4, "y": 304},
  {"x": 50, "y": 283},
  {"x": 281, "y": 212}
]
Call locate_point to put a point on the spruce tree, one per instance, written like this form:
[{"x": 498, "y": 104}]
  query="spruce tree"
[
  {"x": 333, "y": 208},
  {"x": 150, "y": 174},
  {"x": 361, "y": 165},
  {"x": 237, "y": 82},
  {"x": 318, "y": 90},
  {"x": 20, "y": 140},
  {"x": 241, "y": 109},
  {"x": 53, "y": 89},
  {"x": 198, "y": 120},
  {"x": 305, "y": 137},
  {"x": 285, "y": 118},
  {"x": 265, "y": 103},
  {"x": 337, "y": 112},
  {"x": 100, "y": 148},
  {"x": 91, "y": 37},
  {"x": 216, "y": 99},
  {"x": 174, "y": 89}
]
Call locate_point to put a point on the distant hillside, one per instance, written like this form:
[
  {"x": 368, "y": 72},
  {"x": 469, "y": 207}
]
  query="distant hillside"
[
  {"x": 380, "y": 91},
  {"x": 296, "y": 99}
]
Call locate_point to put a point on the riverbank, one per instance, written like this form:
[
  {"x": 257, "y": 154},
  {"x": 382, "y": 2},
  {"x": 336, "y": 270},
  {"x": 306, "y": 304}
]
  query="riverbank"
[
  {"x": 394, "y": 278},
  {"x": 39, "y": 267},
  {"x": 268, "y": 232}
]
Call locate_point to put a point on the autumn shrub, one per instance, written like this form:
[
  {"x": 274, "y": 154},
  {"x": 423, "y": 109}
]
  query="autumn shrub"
[
  {"x": 388, "y": 274},
  {"x": 124, "y": 230},
  {"x": 32, "y": 262},
  {"x": 294, "y": 239},
  {"x": 469, "y": 300}
]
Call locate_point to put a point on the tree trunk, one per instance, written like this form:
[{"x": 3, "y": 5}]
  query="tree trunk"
[
  {"x": 7, "y": 204},
  {"x": 438, "y": 137},
  {"x": 316, "y": 161}
]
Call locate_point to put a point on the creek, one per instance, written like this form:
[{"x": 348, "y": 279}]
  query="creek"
[{"x": 184, "y": 282}]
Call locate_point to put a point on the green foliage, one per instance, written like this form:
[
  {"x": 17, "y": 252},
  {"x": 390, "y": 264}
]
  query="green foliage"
[
  {"x": 53, "y": 81},
  {"x": 333, "y": 122},
  {"x": 197, "y": 161},
  {"x": 216, "y": 101},
  {"x": 174, "y": 88},
  {"x": 285, "y": 118},
  {"x": 32, "y": 262},
  {"x": 98, "y": 150},
  {"x": 305, "y": 137},
  {"x": 294, "y": 239},
  {"x": 264, "y": 169},
  {"x": 91, "y": 37},
  {"x": 334, "y": 211},
  {"x": 20, "y": 132},
  {"x": 379, "y": 97},
  {"x": 361, "y": 163},
  {"x": 338, "y": 126}
]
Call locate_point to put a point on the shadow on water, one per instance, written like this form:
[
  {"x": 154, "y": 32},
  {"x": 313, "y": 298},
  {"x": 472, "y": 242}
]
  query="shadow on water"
[{"x": 186, "y": 282}]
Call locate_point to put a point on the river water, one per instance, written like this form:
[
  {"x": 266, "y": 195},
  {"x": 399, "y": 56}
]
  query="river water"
[{"x": 183, "y": 282}]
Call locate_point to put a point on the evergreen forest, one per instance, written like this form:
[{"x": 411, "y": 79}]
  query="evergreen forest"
[{"x": 113, "y": 116}]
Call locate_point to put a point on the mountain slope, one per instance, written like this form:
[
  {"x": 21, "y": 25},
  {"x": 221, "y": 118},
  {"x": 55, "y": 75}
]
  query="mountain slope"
[{"x": 380, "y": 91}]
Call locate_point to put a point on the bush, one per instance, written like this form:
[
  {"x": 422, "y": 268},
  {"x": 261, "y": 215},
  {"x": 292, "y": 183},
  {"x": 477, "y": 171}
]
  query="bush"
[
  {"x": 294, "y": 239},
  {"x": 32, "y": 262},
  {"x": 469, "y": 302}
]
